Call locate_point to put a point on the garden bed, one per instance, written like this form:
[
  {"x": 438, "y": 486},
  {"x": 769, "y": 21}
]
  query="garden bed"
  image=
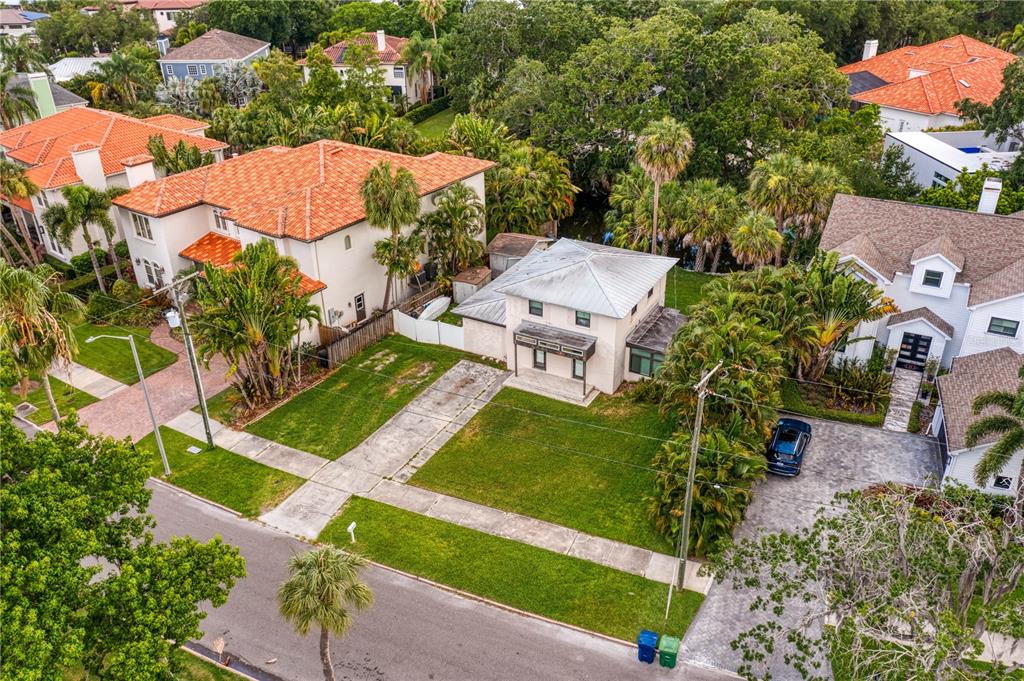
[{"x": 818, "y": 401}]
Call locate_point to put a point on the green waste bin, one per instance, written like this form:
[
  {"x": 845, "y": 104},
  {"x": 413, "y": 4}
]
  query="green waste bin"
[{"x": 668, "y": 651}]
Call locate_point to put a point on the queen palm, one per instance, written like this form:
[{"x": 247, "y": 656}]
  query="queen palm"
[
  {"x": 754, "y": 239},
  {"x": 453, "y": 231},
  {"x": 17, "y": 102},
  {"x": 83, "y": 206},
  {"x": 322, "y": 587},
  {"x": 35, "y": 324},
  {"x": 709, "y": 212},
  {"x": 391, "y": 202},
  {"x": 432, "y": 12},
  {"x": 776, "y": 187},
  {"x": 663, "y": 151},
  {"x": 1006, "y": 421}
]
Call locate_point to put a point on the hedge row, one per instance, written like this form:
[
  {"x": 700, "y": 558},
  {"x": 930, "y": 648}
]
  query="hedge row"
[
  {"x": 421, "y": 112},
  {"x": 83, "y": 284},
  {"x": 793, "y": 401}
]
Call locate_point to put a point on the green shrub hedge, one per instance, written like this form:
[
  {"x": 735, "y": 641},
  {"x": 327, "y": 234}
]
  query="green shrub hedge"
[
  {"x": 82, "y": 263},
  {"x": 793, "y": 400},
  {"x": 421, "y": 112},
  {"x": 84, "y": 284}
]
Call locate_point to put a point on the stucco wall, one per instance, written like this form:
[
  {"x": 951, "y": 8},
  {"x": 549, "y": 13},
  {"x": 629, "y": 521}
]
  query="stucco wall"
[
  {"x": 898, "y": 120},
  {"x": 481, "y": 338}
]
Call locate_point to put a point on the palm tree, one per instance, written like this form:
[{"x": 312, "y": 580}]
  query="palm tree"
[
  {"x": 820, "y": 182},
  {"x": 432, "y": 12},
  {"x": 83, "y": 206},
  {"x": 418, "y": 55},
  {"x": 776, "y": 188},
  {"x": 663, "y": 151},
  {"x": 21, "y": 55},
  {"x": 391, "y": 202},
  {"x": 453, "y": 231},
  {"x": 35, "y": 324},
  {"x": 17, "y": 102},
  {"x": 708, "y": 213},
  {"x": 14, "y": 184},
  {"x": 123, "y": 77},
  {"x": 1009, "y": 426},
  {"x": 754, "y": 239},
  {"x": 322, "y": 587}
]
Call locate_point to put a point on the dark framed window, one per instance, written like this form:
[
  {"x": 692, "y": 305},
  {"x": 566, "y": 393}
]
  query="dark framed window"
[
  {"x": 1003, "y": 327},
  {"x": 577, "y": 369},
  {"x": 1002, "y": 482},
  {"x": 932, "y": 278},
  {"x": 582, "y": 318},
  {"x": 536, "y": 308},
  {"x": 644, "y": 362},
  {"x": 650, "y": 293},
  {"x": 540, "y": 359},
  {"x": 633, "y": 311}
]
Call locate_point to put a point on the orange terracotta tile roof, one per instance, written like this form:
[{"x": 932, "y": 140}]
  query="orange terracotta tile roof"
[
  {"x": 45, "y": 145},
  {"x": 391, "y": 54},
  {"x": 304, "y": 193},
  {"x": 218, "y": 250},
  {"x": 176, "y": 122},
  {"x": 954, "y": 69}
]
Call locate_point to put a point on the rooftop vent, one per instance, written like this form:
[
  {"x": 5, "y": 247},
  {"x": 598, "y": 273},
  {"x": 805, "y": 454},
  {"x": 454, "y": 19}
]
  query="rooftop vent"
[{"x": 964, "y": 83}]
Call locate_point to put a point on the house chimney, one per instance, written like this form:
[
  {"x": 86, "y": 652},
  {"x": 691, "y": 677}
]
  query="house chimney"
[
  {"x": 40, "y": 86},
  {"x": 380, "y": 41},
  {"x": 139, "y": 169},
  {"x": 870, "y": 49},
  {"x": 990, "y": 195},
  {"x": 88, "y": 166}
]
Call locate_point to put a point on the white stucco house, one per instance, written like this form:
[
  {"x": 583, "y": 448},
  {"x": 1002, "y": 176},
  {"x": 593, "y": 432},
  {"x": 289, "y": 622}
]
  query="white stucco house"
[
  {"x": 957, "y": 276},
  {"x": 939, "y": 157},
  {"x": 574, "y": 319},
  {"x": 304, "y": 200},
  {"x": 973, "y": 375}
]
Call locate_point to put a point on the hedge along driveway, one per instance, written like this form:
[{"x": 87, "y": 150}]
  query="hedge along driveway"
[
  {"x": 582, "y": 467},
  {"x": 112, "y": 357}
]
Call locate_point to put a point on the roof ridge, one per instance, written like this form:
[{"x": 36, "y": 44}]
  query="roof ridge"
[{"x": 600, "y": 284}]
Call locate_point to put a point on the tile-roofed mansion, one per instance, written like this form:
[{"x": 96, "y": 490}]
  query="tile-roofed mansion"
[
  {"x": 99, "y": 148},
  {"x": 957, "y": 276},
  {"x": 305, "y": 200},
  {"x": 574, "y": 318},
  {"x": 917, "y": 87}
]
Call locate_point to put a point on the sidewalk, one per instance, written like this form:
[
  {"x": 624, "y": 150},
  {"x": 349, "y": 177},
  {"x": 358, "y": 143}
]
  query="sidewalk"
[
  {"x": 905, "y": 384},
  {"x": 88, "y": 381}
]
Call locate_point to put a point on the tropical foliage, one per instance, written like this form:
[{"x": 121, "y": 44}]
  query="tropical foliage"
[
  {"x": 662, "y": 151},
  {"x": 454, "y": 231},
  {"x": 391, "y": 201},
  {"x": 17, "y": 102},
  {"x": 1005, "y": 420},
  {"x": 179, "y": 158},
  {"x": 14, "y": 184},
  {"x": 84, "y": 206},
  {"x": 128, "y": 77}
]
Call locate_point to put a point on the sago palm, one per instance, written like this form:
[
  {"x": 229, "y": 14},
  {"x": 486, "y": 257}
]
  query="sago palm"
[
  {"x": 391, "y": 202},
  {"x": 754, "y": 239},
  {"x": 776, "y": 187},
  {"x": 663, "y": 151},
  {"x": 322, "y": 587},
  {"x": 17, "y": 102},
  {"x": 709, "y": 213},
  {"x": 1006, "y": 421}
]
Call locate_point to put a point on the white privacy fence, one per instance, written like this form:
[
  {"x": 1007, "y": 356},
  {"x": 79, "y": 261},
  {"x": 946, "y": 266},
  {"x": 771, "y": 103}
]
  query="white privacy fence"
[{"x": 435, "y": 333}]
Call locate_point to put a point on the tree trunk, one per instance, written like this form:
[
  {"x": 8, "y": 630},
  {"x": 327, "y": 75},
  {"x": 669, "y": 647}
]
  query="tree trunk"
[
  {"x": 714, "y": 261},
  {"x": 433, "y": 27},
  {"x": 778, "y": 249},
  {"x": 113, "y": 257},
  {"x": 92, "y": 257},
  {"x": 702, "y": 256},
  {"x": 7, "y": 254},
  {"x": 14, "y": 242},
  {"x": 325, "y": 654},
  {"x": 23, "y": 229},
  {"x": 387, "y": 293},
  {"x": 654, "y": 218},
  {"x": 23, "y": 387},
  {"x": 50, "y": 400}
]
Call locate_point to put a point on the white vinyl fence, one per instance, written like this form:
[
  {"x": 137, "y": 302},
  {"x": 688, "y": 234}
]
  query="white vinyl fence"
[{"x": 435, "y": 333}]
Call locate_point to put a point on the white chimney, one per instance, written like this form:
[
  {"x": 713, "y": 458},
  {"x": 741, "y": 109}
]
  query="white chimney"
[
  {"x": 990, "y": 195},
  {"x": 139, "y": 169},
  {"x": 88, "y": 167},
  {"x": 380, "y": 41},
  {"x": 870, "y": 49}
]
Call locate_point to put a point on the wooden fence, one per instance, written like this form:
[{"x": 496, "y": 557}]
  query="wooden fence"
[{"x": 342, "y": 346}]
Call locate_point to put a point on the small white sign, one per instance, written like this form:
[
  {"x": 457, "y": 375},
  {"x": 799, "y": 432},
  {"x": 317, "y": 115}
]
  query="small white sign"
[
  {"x": 352, "y": 531},
  {"x": 192, "y": 449}
]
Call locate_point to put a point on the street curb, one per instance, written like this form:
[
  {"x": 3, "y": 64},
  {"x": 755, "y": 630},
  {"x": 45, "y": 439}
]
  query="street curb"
[{"x": 184, "y": 491}]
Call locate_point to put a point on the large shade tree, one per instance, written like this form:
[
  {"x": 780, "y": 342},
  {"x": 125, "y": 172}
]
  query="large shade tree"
[
  {"x": 1006, "y": 421},
  {"x": 391, "y": 202},
  {"x": 663, "y": 151}
]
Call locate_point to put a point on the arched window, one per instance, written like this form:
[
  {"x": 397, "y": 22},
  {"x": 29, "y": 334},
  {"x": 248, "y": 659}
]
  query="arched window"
[{"x": 348, "y": 242}]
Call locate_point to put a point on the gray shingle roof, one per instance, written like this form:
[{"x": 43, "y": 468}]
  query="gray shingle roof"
[
  {"x": 216, "y": 45},
  {"x": 61, "y": 96},
  {"x": 971, "y": 376},
  {"x": 921, "y": 313},
  {"x": 988, "y": 244},
  {"x": 513, "y": 244}
]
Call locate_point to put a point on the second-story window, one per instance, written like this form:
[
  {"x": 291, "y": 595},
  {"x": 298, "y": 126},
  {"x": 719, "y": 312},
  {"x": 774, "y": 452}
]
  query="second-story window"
[
  {"x": 202, "y": 69},
  {"x": 536, "y": 308},
  {"x": 932, "y": 278},
  {"x": 399, "y": 72},
  {"x": 348, "y": 242},
  {"x": 193, "y": 69},
  {"x": 1003, "y": 327},
  {"x": 582, "y": 318},
  {"x": 142, "y": 227},
  {"x": 168, "y": 69},
  {"x": 219, "y": 222}
]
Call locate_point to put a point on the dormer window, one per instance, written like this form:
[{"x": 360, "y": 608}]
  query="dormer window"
[{"x": 932, "y": 278}]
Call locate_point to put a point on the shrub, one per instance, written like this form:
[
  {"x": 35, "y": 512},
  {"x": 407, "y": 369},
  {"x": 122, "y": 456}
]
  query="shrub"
[
  {"x": 421, "y": 112},
  {"x": 122, "y": 305},
  {"x": 793, "y": 400},
  {"x": 81, "y": 285},
  {"x": 858, "y": 382},
  {"x": 915, "y": 418},
  {"x": 121, "y": 249},
  {"x": 82, "y": 263}
]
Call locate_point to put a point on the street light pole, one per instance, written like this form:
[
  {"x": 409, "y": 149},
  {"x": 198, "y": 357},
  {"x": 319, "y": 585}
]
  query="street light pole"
[
  {"x": 684, "y": 535},
  {"x": 145, "y": 393}
]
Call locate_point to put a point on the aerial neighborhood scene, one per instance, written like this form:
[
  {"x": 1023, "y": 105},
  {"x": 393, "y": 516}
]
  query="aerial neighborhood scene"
[{"x": 486, "y": 340}]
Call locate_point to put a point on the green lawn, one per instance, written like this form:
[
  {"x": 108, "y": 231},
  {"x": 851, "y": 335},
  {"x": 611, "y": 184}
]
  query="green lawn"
[
  {"x": 221, "y": 405},
  {"x": 335, "y": 415},
  {"x": 682, "y": 289},
  {"x": 437, "y": 125},
  {"x": 449, "y": 317},
  {"x": 113, "y": 357},
  {"x": 219, "y": 475},
  {"x": 64, "y": 395},
  {"x": 566, "y": 589},
  {"x": 521, "y": 462},
  {"x": 188, "y": 667}
]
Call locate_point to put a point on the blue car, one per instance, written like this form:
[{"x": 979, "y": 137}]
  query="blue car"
[{"x": 787, "y": 446}]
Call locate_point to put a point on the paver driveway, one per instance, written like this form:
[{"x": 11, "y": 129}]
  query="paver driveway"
[{"x": 840, "y": 457}]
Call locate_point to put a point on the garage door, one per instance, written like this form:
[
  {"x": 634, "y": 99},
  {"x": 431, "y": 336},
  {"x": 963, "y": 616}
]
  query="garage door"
[{"x": 914, "y": 351}]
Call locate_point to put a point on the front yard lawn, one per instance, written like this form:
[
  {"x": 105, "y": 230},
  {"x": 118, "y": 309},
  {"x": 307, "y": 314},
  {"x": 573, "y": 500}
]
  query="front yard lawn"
[
  {"x": 219, "y": 475},
  {"x": 560, "y": 469},
  {"x": 812, "y": 400},
  {"x": 682, "y": 289},
  {"x": 113, "y": 358},
  {"x": 563, "y": 588},
  {"x": 64, "y": 395},
  {"x": 337, "y": 414},
  {"x": 437, "y": 125}
]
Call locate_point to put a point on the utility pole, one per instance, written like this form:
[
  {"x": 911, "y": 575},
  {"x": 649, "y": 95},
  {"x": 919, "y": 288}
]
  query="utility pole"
[{"x": 684, "y": 535}]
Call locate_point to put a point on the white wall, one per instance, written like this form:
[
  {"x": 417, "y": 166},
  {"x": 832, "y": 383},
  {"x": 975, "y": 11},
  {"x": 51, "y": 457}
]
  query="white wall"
[
  {"x": 978, "y": 339},
  {"x": 412, "y": 88},
  {"x": 936, "y": 350},
  {"x": 481, "y": 338},
  {"x": 899, "y": 120},
  {"x": 961, "y": 469},
  {"x": 953, "y": 310},
  {"x": 171, "y": 234}
]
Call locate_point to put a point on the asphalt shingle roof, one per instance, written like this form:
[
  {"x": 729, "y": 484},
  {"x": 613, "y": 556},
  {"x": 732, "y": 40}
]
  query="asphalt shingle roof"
[
  {"x": 921, "y": 313},
  {"x": 216, "y": 45},
  {"x": 972, "y": 375}
]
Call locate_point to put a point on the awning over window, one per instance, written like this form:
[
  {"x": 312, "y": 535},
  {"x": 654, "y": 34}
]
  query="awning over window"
[
  {"x": 656, "y": 330},
  {"x": 555, "y": 340}
]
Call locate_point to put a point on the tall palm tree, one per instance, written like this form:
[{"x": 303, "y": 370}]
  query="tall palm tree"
[
  {"x": 35, "y": 324},
  {"x": 14, "y": 184},
  {"x": 322, "y": 587},
  {"x": 432, "y": 12},
  {"x": 83, "y": 206},
  {"x": 820, "y": 182},
  {"x": 122, "y": 77},
  {"x": 776, "y": 187},
  {"x": 709, "y": 213},
  {"x": 754, "y": 239},
  {"x": 453, "y": 231},
  {"x": 663, "y": 151},
  {"x": 418, "y": 55},
  {"x": 1008, "y": 425},
  {"x": 21, "y": 55},
  {"x": 391, "y": 202},
  {"x": 17, "y": 102}
]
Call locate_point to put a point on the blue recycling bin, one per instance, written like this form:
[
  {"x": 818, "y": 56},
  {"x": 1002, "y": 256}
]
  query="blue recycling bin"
[{"x": 646, "y": 644}]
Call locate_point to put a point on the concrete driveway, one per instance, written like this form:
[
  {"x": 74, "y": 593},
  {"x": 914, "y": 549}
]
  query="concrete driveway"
[{"x": 840, "y": 457}]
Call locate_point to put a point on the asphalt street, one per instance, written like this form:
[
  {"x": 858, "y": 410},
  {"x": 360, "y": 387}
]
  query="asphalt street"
[{"x": 413, "y": 631}]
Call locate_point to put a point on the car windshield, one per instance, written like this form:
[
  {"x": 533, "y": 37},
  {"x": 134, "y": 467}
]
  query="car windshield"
[{"x": 785, "y": 441}]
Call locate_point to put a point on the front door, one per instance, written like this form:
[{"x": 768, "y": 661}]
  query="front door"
[
  {"x": 360, "y": 307},
  {"x": 914, "y": 351}
]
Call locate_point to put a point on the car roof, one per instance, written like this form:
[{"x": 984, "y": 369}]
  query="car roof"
[{"x": 796, "y": 424}]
